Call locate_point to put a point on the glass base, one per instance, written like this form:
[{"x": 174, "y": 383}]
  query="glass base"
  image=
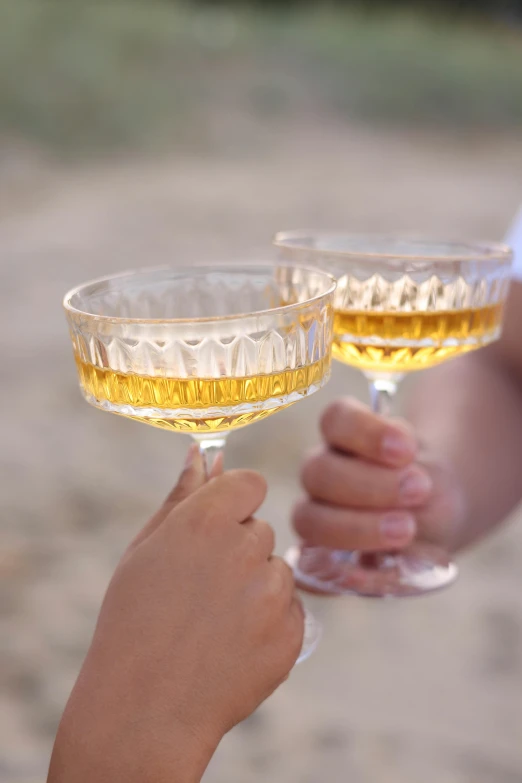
[
  {"x": 312, "y": 637},
  {"x": 420, "y": 569}
]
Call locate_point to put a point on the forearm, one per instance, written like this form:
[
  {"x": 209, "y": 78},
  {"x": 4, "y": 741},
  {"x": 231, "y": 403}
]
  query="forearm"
[
  {"x": 469, "y": 413},
  {"x": 99, "y": 739},
  {"x": 73, "y": 762}
]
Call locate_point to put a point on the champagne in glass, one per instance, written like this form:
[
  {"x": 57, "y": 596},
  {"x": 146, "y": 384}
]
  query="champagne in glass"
[
  {"x": 204, "y": 350},
  {"x": 400, "y": 306}
]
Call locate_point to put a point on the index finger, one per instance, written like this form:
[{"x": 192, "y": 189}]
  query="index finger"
[
  {"x": 228, "y": 499},
  {"x": 348, "y": 425}
]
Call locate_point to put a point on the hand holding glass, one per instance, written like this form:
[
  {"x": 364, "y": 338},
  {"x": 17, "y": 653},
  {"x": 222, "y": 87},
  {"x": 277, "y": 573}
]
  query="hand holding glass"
[
  {"x": 204, "y": 350},
  {"x": 400, "y": 306}
]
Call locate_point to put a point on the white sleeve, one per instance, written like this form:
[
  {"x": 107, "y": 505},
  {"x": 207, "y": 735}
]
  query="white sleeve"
[{"x": 514, "y": 240}]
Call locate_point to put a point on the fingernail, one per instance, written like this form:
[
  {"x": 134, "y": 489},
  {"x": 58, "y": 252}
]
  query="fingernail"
[
  {"x": 415, "y": 486},
  {"x": 396, "y": 526},
  {"x": 395, "y": 446}
]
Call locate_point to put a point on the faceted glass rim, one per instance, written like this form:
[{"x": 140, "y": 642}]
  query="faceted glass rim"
[
  {"x": 303, "y": 241},
  {"x": 195, "y": 271}
]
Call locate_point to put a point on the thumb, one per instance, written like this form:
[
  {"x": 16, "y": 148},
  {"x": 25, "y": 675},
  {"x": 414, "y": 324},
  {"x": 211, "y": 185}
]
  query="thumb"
[{"x": 193, "y": 476}]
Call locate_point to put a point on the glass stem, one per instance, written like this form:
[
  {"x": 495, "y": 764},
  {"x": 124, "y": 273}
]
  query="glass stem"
[
  {"x": 383, "y": 389},
  {"x": 211, "y": 446}
]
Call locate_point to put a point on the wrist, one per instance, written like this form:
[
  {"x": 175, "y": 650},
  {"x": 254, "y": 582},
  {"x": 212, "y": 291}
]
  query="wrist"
[{"x": 131, "y": 754}]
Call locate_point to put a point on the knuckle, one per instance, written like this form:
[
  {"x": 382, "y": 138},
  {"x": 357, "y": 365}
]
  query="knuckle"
[
  {"x": 279, "y": 581},
  {"x": 250, "y": 541},
  {"x": 337, "y": 412},
  {"x": 264, "y": 537},
  {"x": 258, "y": 536},
  {"x": 313, "y": 470},
  {"x": 274, "y": 585},
  {"x": 374, "y": 487},
  {"x": 378, "y": 492},
  {"x": 267, "y": 534},
  {"x": 358, "y": 527},
  {"x": 302, "y": 518},
  {"x": 354, "y": 531}
]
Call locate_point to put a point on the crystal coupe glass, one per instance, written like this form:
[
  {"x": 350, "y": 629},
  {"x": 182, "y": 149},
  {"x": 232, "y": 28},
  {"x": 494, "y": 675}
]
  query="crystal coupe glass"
[
  {"x": 400, "y": 305},
  {"x": 204, "y": 350}
]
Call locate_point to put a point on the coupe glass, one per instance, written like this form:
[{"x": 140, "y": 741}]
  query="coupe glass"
[
  {"x": 401, "y": 305},
  {"x": 204, "y": 350}
]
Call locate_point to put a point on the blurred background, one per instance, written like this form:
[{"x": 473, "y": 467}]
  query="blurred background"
[{"x": 134, "y": 133}]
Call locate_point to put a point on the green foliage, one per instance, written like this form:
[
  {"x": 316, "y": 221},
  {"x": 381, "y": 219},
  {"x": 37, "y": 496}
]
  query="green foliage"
[
  {"x": 499, "y": 9},
  {"x": 80, "y": 76}
]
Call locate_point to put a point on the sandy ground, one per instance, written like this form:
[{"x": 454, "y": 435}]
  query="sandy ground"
[{"x": 425, "y": 690}]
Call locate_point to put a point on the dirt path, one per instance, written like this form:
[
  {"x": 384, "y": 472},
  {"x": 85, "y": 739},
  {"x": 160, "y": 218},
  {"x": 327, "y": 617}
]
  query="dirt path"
[{"x": 427, "y": 690}]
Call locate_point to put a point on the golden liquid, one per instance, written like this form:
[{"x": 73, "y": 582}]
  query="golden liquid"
[
  {"x": 363, "y": 338},
  {"x": 198, "y": 394}
]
